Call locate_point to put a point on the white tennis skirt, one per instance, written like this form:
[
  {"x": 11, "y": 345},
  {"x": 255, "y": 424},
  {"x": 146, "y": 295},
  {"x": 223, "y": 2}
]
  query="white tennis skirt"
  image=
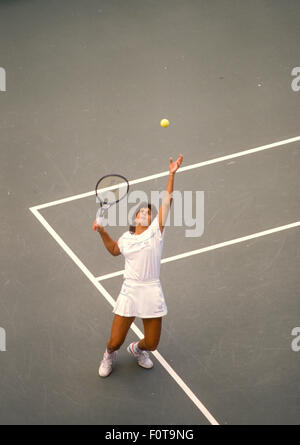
[{"x": 144, "y": 299}]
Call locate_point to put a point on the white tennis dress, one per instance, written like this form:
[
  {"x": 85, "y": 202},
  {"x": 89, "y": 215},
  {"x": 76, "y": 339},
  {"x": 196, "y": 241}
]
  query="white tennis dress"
[{"x": 141, "y": 293}]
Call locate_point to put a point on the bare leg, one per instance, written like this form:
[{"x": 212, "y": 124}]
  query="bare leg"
[
  {"x": 119, "y": 331},
  {"x": 152, "y": 328}
]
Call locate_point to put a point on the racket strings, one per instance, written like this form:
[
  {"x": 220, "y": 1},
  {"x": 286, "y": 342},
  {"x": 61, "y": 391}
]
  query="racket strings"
[{"x": 111, "y": 189}]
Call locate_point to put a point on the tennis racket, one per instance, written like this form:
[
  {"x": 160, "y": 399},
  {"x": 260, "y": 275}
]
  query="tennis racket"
[{"x": 110, "y": 189}]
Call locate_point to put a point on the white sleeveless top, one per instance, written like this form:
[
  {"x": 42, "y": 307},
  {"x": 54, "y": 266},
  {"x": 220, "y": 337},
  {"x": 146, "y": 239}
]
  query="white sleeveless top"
[{"x": 142, "y": 253}]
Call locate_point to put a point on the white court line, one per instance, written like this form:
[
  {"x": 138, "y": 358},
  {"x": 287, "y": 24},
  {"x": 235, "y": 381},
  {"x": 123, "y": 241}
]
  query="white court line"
[
  {"x": 111, "y": 301},
  {"x": 212, "y": 247},
  {"x": 111, "y": 275},
  {"x": 180, "y": 170}
]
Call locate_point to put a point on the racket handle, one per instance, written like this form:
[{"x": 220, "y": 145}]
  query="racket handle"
[
  {"x": 99, "y": 221},
  {"x": 99, "y": 217}
]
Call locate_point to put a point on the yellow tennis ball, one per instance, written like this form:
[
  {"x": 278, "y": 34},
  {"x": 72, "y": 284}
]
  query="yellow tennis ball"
[{"x": 164, "y": 123}]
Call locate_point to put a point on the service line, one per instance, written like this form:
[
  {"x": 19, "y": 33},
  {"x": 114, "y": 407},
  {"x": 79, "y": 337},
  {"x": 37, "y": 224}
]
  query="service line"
[{"x": 180, "y": 170}]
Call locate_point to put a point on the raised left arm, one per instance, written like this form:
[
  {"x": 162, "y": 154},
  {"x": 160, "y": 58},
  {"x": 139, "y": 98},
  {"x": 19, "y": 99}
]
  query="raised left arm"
[{"x": 167, "y": 201}]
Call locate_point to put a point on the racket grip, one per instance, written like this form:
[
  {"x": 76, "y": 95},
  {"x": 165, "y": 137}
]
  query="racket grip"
[
  {"x": 99, "y": 217},
  {"x": 99, "y": 221}
]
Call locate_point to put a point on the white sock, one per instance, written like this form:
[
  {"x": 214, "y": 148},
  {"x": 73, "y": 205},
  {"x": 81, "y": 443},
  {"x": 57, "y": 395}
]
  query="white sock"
[
  {"x": 136, "y": 348},
  {"x": 107, "y": 352}
]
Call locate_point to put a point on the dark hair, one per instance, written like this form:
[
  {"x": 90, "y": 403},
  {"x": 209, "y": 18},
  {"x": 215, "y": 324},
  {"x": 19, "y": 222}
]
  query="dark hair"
[{"x": 143, "y": 205}]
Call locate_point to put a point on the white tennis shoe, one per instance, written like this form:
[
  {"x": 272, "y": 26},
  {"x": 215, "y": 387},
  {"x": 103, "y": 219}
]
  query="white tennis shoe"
[
  {"x": 142, "y": 357},
  {"x": 106, "y": 365}
]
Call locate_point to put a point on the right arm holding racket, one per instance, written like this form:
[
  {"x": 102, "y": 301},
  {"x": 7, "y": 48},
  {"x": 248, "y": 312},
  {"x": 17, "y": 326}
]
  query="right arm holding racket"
[
  {"x": 167, "y": 200},
  {"x": 110, "y": 244},
  {"x": 110, "y": 189}
]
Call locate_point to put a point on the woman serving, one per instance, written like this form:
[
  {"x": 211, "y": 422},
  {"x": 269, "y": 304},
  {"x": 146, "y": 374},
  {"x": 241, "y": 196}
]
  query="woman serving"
[{"x": 141, "y": 294}]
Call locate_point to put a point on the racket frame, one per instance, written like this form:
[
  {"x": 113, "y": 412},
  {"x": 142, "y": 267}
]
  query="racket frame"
[{"x": 106, "y": 206}]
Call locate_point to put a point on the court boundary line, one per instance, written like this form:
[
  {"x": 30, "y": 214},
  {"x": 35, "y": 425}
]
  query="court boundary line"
[
  {"x": 212, "y": 247},
  {"x": 180, "y": 170}
]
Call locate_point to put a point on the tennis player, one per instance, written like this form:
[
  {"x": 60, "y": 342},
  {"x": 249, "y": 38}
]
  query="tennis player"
[{"x": 141, "y": 293}]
